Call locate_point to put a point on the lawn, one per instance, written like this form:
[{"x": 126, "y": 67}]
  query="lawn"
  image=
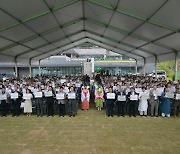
[{"x": 90, "y": 132}]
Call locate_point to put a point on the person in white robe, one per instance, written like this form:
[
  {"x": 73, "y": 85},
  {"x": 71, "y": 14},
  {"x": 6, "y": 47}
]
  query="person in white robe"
[{"x": 143, "y": 103}]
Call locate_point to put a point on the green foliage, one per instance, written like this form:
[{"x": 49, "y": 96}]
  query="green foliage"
[{"x": 169, "y": 67}]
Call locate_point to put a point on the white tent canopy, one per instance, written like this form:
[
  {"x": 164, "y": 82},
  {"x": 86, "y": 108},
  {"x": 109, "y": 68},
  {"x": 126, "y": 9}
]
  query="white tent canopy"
[{"x": 146, "y": 30}]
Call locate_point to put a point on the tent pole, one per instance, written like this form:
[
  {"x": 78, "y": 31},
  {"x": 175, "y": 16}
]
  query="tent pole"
[
  {"x": 176, "y": 67},
  {"x": 39, "y": 68},
  {"x": 16, "y": 68},
  {"x": 155, "y": 66},
  {"x": 144, "y": 67},
  {"x": 30, "y": 67},
  {"x": 136, "y": 68}
]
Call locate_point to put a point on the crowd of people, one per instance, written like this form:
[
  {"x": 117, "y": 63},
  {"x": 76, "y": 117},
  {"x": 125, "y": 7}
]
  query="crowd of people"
[{"x": 118, "y": 95}]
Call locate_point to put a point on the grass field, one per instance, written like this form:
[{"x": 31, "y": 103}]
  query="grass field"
[{"x": 90, "y": 132}]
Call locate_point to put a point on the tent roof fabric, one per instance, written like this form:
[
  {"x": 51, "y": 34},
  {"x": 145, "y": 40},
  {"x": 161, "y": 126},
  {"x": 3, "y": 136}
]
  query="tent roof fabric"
[{"x": 140, "y": 29}]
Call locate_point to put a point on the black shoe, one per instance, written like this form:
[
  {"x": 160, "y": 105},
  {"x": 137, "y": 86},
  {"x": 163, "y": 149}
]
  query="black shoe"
[
  {"x": 69, "y": 115},
  {"x": 134, "y": 115},
  {"x": 111, "y": 115},
  {"x": 73, "y": 115}
]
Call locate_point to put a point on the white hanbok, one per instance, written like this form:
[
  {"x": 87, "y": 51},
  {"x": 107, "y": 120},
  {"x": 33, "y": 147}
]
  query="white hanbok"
[
  {"x": 83, "y": 97},
  {"x": 143, "y": 103}
]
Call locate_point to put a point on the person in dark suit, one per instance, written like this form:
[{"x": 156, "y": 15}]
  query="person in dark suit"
[
  {"x": 133, "y": 103},
  {"x": 39, "y": 104},
  {"x": 176, "y": 103},
  {"x": 110, "y": 104},
  {"x": 121, "y": 104},
  {"x": 16, "y": 103},
  {"x": 62, "y": 103},
  {"x": 1, "y": 85},
  {"x": 73, "y": 104},
  {"x": 50, "y": 103}
]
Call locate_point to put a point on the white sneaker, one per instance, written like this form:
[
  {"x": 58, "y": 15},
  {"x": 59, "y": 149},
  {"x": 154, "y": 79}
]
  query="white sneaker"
[
  {"x": 168, "y": 115},
  {"x": 163, "y": 114}
]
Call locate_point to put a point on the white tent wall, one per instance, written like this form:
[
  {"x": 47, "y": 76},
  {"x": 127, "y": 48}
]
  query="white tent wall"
[
  {"x": 139, "y": 29},
  {"x": 166, "y": 57},
  {"x": 6, "y": 59},
  {"x": 23, "y": 64}
]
